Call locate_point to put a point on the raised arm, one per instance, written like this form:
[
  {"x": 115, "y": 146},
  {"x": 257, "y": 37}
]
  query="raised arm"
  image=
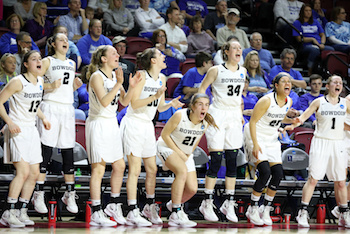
[{"x": 209, "y": 78}]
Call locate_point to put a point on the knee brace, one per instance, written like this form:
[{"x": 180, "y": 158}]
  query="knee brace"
[
  {"x": 215, "y": 164},
  {"x": 47, "y": 154},
  {"x": 264, "y": 176},
  {"x": 68, "y": 162},
  {"x": 276, "y": 176},
  {"x": 231, "y": 163}
]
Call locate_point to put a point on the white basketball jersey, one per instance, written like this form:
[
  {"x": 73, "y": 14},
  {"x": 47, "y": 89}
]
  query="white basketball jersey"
[
  {"x": 228, "y": 87},
  {"x": 330, "y": 119},
  {"x": 149, "y": 111},
  {"x": 268, "y": 124},
  {"x": 95, "y": 107},
  {"x": 186, "y": 134},
  {"x": 24, "y": 104},
  {"x": 64, "y": 70}
]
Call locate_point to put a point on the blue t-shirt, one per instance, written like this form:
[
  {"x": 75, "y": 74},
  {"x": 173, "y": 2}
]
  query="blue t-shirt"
[
  {"x": 296, "y": 100},
  {"x": 193, "y": 6},
  {"x": 305, "y": 101},
  {"x": 278, "y": 68},
  {"x": 191, "y": 79},
  {"x": 87, "y": 46},
  {"x": 8, "y": 43},
  {"x": 249, "y": 102},
  {"x": 322, "y": 20},
  {"x": 308, "y": 30},
  {"x": 160, "y": 5},
  {"x": 340, "y": 31}
]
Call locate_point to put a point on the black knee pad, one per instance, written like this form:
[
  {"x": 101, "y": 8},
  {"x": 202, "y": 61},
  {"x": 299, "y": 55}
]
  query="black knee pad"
[
  {"x": 276, "y": 176},
  {"x": 231, "y": 163},
  {"x": 215, "y": 164},
  {"x": 46, "y": 152},
  {"x": 68, "y": 162},
  {"x": 264, "y": 176}
]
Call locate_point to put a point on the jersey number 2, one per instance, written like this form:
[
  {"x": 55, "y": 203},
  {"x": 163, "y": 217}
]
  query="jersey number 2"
[
  {"x": 232, "y": 90},
  {"x": 189, "y": 140},
  {"x": 65, "y": 78},
  {"x": 34, "y": 106}
]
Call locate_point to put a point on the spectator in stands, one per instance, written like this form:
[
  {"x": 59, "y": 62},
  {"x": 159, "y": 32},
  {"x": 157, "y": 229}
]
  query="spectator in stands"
[
  {"x": 162, "y": 5},
  {"x": 173, "y": 56},
  {"x": 8, "y": 42},
  {"x": 83, "y": 94},
  {"x": 23, "y": 40},
  {"x": 7, "y": 68},
  {"x": 289, "y": 10},
  {"x": 89, "y": 43},
  {"x": 40, "y": 28},
  {"x": 306, "y": 99},
  {"x": 131, "y": 5},
  {"x": 181, "y": 24},
  {"x": 90, "y": 13},
  {"x": 231, "y": 29},
  {"x": 217, "y": 19},
  {"x": 75, "y": 21},
  {"x": 338, "y": 31},
  {"x": 24, "y": 8},
  {"x": 191, "y": 81},
  {"x": 218, "y": 56},
  {"x": 313, "y": 36},
  {"x": 99, "y": 6},
  {"x": 175, "y": 36},
  {"x": 120, "y": 44},
  {"x": 259, "y": 83},
  {"x": 73, "y": 52},
  {"x": 191, "y": 8},
  {"x": 119, "y": 20},
  {"x": 148, "y": 19},
  {"x": 288, "y": 57},
  {"x": 318, "y": 12},
  {"x": 249, "y": 100},
  {"x": 198, "y": 40},
  {"x": 266, "y": 59}
]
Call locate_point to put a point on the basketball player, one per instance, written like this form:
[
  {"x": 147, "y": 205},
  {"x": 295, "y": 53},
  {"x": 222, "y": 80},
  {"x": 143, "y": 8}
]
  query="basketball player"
[
  {"x": 57, "y": 106},
  {"x": 22, "y": 141},
  {"x": 227, "y": 82},
  {"x": 326, "y": 152},
  {"x": 263, "y": 147},
  {"x": 104, "y": 143},
  {"x": 179, "y": 139},
  {"x": 138, "y": 134}
]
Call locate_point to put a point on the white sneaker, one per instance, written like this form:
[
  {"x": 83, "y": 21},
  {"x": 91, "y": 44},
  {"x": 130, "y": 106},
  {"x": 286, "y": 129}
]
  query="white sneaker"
[
  {"x": 152, "y": 213},
  {"x": 169, "y": 206},
  {"x": 24, "y": 218},
  {"x": 344, "y": 219},
  {"x": 134, "y": 218},
  {"x": 69, "y": 199},
  {"x": 228, "y": 209},
  {"x": 254, "y": 216},
  {"x": 302, "y": 218},
  {"x": 265, "y": 214},
  {"x": 98, "y": 218},
  {"x": 38, "y": 201},
  {"x": 207, "y": 210},
  {"x": 115, "y": 211},
  {"x": 9, "y": 218},
  {"x": 180, "y": 219},
  {"x": 335, "y": 212}
]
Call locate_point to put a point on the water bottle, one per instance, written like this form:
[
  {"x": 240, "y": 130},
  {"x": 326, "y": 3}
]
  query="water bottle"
[
  {"x": 52, "y": 211},
  {"x": 321, "y": 213}
]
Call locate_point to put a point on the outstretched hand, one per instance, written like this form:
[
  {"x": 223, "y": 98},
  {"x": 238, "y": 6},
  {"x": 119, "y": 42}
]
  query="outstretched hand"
[
  {"x": 77, "y": 83},
  {"x": 176, "y": 103},
  {"x": 119, "y": 74},
  {"x": 160, "y": 92}
]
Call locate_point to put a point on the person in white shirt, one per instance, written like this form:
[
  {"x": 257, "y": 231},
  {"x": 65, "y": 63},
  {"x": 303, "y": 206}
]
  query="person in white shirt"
[
  {"x": 175, "y": 36},
  {"x": 148, "y": 19}
]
